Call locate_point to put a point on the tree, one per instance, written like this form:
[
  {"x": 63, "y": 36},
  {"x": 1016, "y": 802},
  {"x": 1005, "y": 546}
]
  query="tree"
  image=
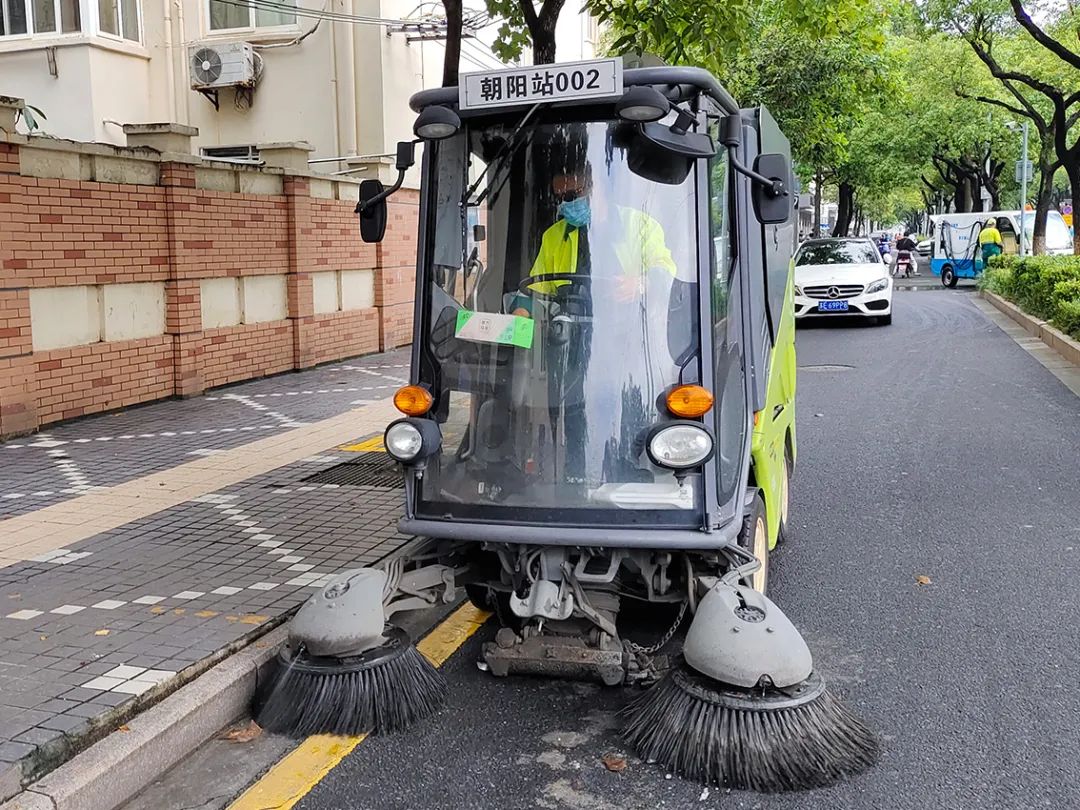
[
  {"x": 452, "y": 55},
  {"x": 1002, "y": 34},
  {"x": 524, "y": 25}
]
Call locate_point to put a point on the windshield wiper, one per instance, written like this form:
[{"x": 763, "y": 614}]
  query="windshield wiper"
[{"x": 509, "y": 147}]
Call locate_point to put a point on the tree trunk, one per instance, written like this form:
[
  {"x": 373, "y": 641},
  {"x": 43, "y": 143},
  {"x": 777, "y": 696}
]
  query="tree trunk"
[
  {"x": 817, "y": 204},
  {"x": 542, "y": 28},
  {"x": 976, "y": 193},
  {"x": 1042, "y": 207},
  {"x": 1073, "y": 171},
  {"x": 844, "y": 209},
  {"x": 543, "y": 45},
  {"x": 452, "y": 55}
]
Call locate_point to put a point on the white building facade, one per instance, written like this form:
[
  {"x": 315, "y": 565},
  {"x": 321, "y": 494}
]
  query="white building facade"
[{"x": 336, "y": 74}]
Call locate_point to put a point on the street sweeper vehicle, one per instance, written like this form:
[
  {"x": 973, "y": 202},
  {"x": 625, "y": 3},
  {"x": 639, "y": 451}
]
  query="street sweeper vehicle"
[{"x": 599, "y": 432}]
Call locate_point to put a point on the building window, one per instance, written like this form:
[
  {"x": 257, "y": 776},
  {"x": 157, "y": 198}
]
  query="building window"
[
  {"x": 120, "y": 18},
  {"x": 232, "y": 15},
  {"x": 21, "y": 17}
]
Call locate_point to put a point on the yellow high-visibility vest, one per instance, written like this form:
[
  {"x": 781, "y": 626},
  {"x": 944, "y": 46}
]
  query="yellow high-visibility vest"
[
  {"x": 640, "y": 247},
  {"x": 990, "y": 236}
]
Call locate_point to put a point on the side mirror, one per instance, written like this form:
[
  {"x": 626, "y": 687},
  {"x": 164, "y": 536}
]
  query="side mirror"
[
  {"x": 773, "y": 208},
  {"x": 373, "y": 214}
]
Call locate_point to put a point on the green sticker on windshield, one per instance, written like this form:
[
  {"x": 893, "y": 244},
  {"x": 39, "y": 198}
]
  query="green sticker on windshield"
[{"x": 491, "y": 327}]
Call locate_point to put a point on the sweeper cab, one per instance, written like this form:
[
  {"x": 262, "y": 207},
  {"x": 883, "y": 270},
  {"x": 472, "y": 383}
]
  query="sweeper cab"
[{"x": 599, "y": 431}]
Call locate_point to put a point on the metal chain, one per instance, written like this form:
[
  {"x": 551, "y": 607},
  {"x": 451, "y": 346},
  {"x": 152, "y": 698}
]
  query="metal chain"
[{"x": 637, "y": 648}]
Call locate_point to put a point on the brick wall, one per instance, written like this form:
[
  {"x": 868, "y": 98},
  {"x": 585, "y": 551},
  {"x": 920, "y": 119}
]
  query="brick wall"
[
  {"x": 100, "y": 376},
  {"x": 395, "y": 276},
  {"x": 165, "y": 228}
]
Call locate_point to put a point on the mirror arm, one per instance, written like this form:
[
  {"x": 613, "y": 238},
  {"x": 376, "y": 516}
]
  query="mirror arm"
[
  {"x": 731, "y": 137},
  {"x": 405, "y": 160},
  {"x": 774, "y": 186},
  {"x": 361, "y": 207}
]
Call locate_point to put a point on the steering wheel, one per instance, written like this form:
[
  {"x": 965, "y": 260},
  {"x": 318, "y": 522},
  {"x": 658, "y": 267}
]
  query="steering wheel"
[{"x": 573, "y": 279}]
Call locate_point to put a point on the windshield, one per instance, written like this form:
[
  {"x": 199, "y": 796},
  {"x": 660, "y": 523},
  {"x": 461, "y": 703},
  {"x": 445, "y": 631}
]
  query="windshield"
[
  {"x": 838, "y": 253},
  {"x": 1057, "y": 232},
  {"x": 552, "y": 339}
]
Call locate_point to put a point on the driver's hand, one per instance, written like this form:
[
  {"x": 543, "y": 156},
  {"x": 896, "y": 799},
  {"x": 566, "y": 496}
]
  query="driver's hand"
[{"x": 627, "y": 288}]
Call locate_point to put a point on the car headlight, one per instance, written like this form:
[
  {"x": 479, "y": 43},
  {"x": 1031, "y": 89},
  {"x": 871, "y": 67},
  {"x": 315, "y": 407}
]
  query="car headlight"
[
  {"x": 679, "y": 445},
  {"x": 798, "y": 290},
  {"x": 412, "y": 440},
  {"x": 878, "y": 286}
]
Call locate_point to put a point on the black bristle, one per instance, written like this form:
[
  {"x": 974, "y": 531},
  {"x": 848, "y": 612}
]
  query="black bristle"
[
  {"x": 719, "y": 737},
  {"x": 332, "y": 697}
]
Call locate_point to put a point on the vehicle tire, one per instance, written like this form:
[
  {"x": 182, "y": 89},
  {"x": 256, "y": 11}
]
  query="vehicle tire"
[
  {"x": 754, "y": 537},
  {"x": 785, "y": 533},
  {"x": 948, "y": 277},
  {"x": 885, "y": 320}
]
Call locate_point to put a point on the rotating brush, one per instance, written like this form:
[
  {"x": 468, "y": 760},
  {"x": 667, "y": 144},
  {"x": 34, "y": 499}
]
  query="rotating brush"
[{"x": 382, "y": 690}]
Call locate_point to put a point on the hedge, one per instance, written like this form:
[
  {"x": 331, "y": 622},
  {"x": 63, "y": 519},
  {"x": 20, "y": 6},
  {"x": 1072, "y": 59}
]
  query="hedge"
[{"x": 1047, "y": 287}]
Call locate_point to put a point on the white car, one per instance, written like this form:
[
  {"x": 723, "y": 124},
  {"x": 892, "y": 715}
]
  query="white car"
[{"x": 842, "y": 277}]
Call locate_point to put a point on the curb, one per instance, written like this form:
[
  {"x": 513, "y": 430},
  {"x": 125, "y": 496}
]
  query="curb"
[
  {"x": 1052, "y": 337},
  {"x": 113, "y": 770}
]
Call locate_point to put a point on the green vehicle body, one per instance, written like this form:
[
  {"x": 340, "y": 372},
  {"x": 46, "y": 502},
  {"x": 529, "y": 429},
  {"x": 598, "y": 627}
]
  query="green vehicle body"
[{"x": 772, "y": 444}]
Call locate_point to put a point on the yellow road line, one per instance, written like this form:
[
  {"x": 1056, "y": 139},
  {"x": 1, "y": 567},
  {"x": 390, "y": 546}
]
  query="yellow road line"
[
  {"x": 293, "y": 777},
  {"x": 373, "y": 445}
]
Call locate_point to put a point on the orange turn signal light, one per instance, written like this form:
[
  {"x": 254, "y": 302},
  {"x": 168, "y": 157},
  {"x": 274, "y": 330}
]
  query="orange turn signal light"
[
  {"x": 413, "y": 400},
  {"x": 689, "y": 401}
]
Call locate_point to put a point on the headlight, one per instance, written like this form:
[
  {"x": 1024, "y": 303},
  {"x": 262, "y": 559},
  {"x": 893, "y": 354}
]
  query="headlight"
[
  {"x": 798, "y": 290},
  {"x": 878, "y": 286},
  {"x": 403, "y": 441},
  {"x": 679, "y": 445}
]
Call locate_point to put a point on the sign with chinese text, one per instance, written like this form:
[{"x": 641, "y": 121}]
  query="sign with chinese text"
[{"x": 601, "y": 78}]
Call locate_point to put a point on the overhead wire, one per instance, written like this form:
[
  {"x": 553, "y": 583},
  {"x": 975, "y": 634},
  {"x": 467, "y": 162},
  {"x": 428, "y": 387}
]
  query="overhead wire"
[{"x": 314, "y": 14}]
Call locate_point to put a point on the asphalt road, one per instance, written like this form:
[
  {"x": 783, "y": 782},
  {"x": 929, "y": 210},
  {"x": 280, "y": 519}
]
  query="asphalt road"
[{"x": 933, "y": 447}]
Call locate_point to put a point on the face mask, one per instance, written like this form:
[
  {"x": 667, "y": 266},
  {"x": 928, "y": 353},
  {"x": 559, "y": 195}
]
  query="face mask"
[{"x": 576, "y": 212}]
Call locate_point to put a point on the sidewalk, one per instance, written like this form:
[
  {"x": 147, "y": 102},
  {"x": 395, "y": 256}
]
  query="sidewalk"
[{"x": 137, "y": 549}]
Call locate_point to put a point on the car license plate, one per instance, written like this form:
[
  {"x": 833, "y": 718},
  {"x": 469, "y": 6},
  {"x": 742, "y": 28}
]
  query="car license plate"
[{"x": 833, "y": 306}]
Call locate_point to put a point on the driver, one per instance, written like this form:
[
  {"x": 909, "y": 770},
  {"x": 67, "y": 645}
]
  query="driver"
[
  {"x": 633, "y": 238},
  {"x": 628, "y": 244}
]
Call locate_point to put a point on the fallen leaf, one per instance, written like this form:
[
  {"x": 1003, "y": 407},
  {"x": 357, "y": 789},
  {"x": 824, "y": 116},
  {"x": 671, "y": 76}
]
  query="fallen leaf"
[
  {"x": 101, "y": 632},
  {"x": 158, "y": 610},
  {"x": 124, "y": 728},
  {"x": 245, "y": 733},
  {"x": 42, "y": 638},
  {"x": 613, "y": 762},
  {"x": 922, "y": 579}
]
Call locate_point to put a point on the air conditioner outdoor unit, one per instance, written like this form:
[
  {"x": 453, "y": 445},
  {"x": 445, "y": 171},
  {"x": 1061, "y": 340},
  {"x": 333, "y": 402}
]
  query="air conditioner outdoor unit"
[{"x": 226, "y": 64}]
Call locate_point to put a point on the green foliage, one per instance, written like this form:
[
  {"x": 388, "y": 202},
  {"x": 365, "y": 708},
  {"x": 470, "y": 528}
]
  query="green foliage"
[
  {"x": 1047, "y": 287},
  {"x": 1067, "y": 318},
  {"x": 690, "y": 31},
  {"x": 513, "y": 35}
]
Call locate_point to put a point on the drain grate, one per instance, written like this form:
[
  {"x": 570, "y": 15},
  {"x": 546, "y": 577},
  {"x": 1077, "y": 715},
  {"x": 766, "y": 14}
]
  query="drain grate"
[{"x": 370, "y": 470}]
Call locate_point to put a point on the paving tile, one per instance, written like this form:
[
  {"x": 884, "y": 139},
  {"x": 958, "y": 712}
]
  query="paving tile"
[{"x": 137, "y": 603}]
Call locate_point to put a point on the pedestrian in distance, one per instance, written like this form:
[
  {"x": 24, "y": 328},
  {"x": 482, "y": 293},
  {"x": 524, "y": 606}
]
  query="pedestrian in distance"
[{"x": 990, "y": 241}]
